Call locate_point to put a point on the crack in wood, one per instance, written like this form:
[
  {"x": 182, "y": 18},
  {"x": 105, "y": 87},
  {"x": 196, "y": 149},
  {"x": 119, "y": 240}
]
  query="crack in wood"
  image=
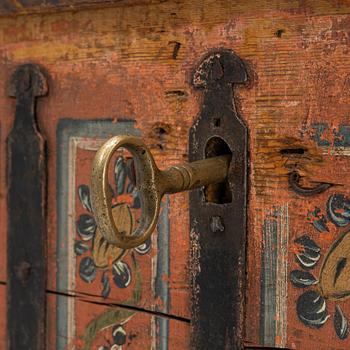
[{"x": 80, "y": 296}]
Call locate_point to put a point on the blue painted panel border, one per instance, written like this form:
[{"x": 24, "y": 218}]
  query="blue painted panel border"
[{"x": 101, "y": 129}]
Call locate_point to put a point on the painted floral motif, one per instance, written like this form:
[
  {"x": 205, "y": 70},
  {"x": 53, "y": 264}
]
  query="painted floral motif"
[
  {"x": 333, "y": 282},
  {"x": 97, "y": 253},
  {"x": 119, "y": 339}
]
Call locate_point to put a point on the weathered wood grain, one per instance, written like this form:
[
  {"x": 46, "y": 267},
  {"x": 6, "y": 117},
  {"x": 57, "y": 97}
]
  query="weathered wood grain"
[
  {"x": 135, "y": 62},
  {"x": 11, "y": 7},
  {"x": 98, "y": 324},
  {"x": 14, "y": 7}
]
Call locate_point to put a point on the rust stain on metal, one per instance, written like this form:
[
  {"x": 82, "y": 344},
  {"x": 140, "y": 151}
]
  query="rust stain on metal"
[{"x": 217, "y": 288}]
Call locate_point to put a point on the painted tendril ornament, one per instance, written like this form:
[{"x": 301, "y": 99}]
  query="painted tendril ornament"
[
  {"x": 96, "y": 253},
  {"x": 333, "y": 283}
]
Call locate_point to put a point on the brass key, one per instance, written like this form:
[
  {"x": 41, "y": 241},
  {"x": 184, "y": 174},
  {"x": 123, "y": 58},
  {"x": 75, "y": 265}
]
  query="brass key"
[{"x": 151, "y": 183}]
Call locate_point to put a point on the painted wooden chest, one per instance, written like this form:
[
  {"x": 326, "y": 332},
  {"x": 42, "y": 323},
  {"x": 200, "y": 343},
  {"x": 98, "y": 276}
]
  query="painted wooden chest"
[{"x": 126, "y": 67}]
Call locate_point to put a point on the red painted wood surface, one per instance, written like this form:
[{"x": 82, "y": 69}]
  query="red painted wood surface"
[
  {"x": 134, "y": 61},
  {"x": 14, "y": 7}
]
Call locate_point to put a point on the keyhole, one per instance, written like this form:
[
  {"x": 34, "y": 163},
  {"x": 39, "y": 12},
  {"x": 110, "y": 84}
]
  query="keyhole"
[{"x": 217, "y": 193}]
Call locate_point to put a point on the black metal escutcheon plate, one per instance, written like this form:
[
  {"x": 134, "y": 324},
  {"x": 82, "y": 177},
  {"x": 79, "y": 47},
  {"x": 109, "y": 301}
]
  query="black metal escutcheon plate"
[{"x": 218, "y": 230}]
